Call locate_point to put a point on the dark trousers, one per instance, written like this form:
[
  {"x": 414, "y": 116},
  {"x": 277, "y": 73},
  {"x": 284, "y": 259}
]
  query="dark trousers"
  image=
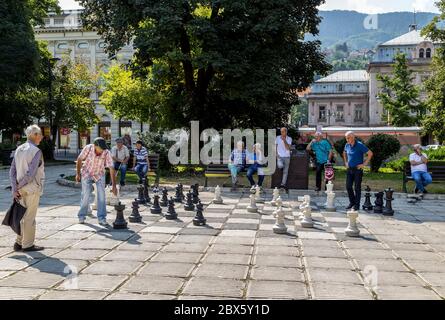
[
  {"x": 251, "y": 171},
  {"x": 354, "y": 179},
  {"x": 318, "y": 176}
]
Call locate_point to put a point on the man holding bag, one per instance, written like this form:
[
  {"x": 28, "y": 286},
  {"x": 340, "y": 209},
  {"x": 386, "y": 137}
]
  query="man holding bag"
[{"x": 27, "y": 177}]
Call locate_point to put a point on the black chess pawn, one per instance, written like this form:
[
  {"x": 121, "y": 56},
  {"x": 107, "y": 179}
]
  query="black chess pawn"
[
  {"x": 164, "y": 200},
  {"x": 135, "y": 216},
  {"x": 120, "y": 222},
  {"x": 387, "y": 210},
  {"x": 171, "y": 212},
  {"x": 181, "y": 191},
  {"x": 156, "y": 208},
  {"x": 378, "y": 205},
  {"x": 367, "y": 205},
  {"x": 146, "y": 193},
  {"x": 197, "y": 189},
  {"x": 141, "y": 198},
  {"x": 178, "y": 197},
  {"x": 199, "y": 219},
  {"x": 189, "y": 206},
  {"x": 195, "y": 193}
]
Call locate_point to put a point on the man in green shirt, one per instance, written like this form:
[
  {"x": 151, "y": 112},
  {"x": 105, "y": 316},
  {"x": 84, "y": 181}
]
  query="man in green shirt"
[{"x": 323, "y": 154}]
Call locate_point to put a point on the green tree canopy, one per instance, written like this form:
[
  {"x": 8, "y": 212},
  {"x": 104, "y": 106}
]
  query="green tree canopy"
[
  {"x": 434, "y": 122},
  {"x": 400, "y": 97},
  {"x": 225, "y": 63}
]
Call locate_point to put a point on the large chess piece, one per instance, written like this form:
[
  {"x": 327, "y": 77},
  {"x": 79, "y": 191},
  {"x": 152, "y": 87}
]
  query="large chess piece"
[
  {"x": 199, "y": 219},
  {"x": 189, "y": 206},
  {"x": 181, "y": 190},
  {"x": 135, "y": 216},
  {"x": 120, "y": 222},
  {"x": 164, "y": 200},
  {"x": 352, "y": 230},
  {"x": 307, "y": 221},
  {"x": 258, "y": 197},
  {"x": 306, "y": 202},
  {"x": 218, "y": 199},
  {"x": 330, "y": 197},
  {"x": 156, "y": 208},
  {"x": 275, "y": 195},
  {"x": 146, "y": 193},
  {"x": 252, "y": 206},
  {"x": 378, "y": 205},
  {"x": 171, "y": 212},
  {"x": 141, "y": 198},
  {"x": 195, "y": 193},
  {"x": 178, "y": 196},
  {"x": 112, "y": 199},
  {"x": 387, "y": 210},
  {"x": 280, "y": 226},
  {"x": 367, "y": 205}
]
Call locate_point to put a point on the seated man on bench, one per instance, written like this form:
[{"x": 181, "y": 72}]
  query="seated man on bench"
[
  {"x": 141, "y": 164},
  {"x": 255, "y": 159},
  {"x": 237, "y": 161},
  {"x": 419, "y": 170}
]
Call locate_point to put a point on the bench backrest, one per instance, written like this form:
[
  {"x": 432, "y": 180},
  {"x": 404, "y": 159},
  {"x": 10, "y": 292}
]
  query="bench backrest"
[
  {"x": 153, "y": 159},
  {"x": 219, "y": 168},
  {"x": 437, "y": 170}
]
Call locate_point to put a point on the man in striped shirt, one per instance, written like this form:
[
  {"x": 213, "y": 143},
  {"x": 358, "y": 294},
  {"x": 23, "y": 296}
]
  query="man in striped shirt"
[{"x": 140, "y": 161}]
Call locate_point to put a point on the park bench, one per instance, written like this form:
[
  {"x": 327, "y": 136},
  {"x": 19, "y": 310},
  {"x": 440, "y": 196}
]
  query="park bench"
[
  {"x": 436, "y": 169},
  {"x": 153, "y": 160},
  {"x": 220, "y": 171}
]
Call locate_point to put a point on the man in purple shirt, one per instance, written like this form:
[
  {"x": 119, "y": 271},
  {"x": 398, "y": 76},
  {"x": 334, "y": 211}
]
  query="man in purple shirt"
[{"x": 27, "y": 177}]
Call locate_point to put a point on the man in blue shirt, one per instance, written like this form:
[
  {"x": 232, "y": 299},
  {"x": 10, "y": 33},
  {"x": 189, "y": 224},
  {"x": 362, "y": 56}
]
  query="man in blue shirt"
[
  {"x": 353, "y": 155},
  {"x": 323, "y": 153}
]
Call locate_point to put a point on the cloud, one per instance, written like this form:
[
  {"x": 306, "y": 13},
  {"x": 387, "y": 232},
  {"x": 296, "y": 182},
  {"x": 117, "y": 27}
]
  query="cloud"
[
  {"x": 425, "y": 5},
  {"x": 380, "y": 6}
]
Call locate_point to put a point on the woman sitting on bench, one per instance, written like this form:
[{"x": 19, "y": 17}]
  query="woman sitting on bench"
[{"x": 255, "y": 159}]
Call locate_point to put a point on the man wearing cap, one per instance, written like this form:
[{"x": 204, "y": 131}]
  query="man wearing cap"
[
  {"x": 140, "y": 161},
  {"x": 323, "y": 153},
  {"x": 120, "y": 155},
  {"x": 95, "y": 158}
]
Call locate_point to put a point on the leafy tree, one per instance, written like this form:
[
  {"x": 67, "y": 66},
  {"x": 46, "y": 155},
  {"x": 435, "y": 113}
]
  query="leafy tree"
[
  {"x": 300, "y": 113},
  {"x": 434, "y": 122},
  {"x": 225, "y": 63},
  {"x": 383, "y": 146},
  {"x": 400, "y": 97}
]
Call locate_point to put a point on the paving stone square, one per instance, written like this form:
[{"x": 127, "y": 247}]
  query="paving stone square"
[{"x": 237, "y": 255}]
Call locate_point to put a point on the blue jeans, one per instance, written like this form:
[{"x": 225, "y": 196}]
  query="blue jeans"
[
  {"x": 123, "y": 170},
  {"x": 87, "y": 188},
  {"x": 251, "y": 171},
  {"x": 422, "y": 179},
  {"x": 234, "y": 170},
  {"x": 141, "y": 170}
]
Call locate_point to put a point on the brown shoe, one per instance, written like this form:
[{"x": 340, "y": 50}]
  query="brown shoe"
[{"x": 33, "y": 248}]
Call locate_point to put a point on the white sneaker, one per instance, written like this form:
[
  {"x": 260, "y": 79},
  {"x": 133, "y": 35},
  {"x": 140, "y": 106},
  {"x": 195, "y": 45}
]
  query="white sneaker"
[
  {"x": 82, "y": 220},
  {"x": 103, "y": 223}
]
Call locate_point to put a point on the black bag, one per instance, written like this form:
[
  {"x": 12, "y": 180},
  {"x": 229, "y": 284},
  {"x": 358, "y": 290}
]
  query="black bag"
[{"x": 14, "y": 216}]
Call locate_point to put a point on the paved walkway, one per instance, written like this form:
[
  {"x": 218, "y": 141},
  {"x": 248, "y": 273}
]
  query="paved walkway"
[{"x": 236, "y": 256}]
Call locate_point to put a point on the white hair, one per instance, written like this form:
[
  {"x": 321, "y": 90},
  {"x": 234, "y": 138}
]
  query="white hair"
[
  {"x": 32, "y": 130},
  {"x": 257, "y": 146},
  {"x": 349, "y": 133},
  {"x": 417, "y": 146},
  {"x": 318, "y": 133}
]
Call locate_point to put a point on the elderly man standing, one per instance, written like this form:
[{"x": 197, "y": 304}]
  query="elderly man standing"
[
  {"x": 419, "y": 170},
  {"x": 283, "y": 143},
  {"x": 323, "y": 153},
  {"x": 27, "y": 177},
  {"x": 121, "y": 155},
  {"x": 353, "y": 155},
  {"x": 90, "y": 167}
]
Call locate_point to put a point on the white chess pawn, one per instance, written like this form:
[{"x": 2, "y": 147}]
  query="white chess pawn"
[
  {"x": 307, "y": 222},
  {"x": 252, "y": 206},
  {"x": 280, "y": 226},
  {"x": 329, "y": 187},
  {"x": 330, "y": 203},
  {"x": 218, "y": 199},
  {"x": 275, "y": 195},
  {"x": 258, "y": 195},
  {"x": 352, "y": 230},
  {"x": 306, "y": 202}
]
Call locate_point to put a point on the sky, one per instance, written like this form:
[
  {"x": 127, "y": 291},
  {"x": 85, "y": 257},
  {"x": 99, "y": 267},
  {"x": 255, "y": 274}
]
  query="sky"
[{"x": 365, "y": 6}]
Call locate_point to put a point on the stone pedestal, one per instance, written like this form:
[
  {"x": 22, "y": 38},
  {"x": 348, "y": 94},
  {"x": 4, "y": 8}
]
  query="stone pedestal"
[{"x": 352, "y": 230}]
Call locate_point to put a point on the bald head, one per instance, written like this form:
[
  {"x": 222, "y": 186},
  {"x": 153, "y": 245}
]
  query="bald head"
[{"x": 283, "y": 131}]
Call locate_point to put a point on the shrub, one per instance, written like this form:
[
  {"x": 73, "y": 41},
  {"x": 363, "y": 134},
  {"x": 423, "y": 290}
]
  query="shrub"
[
  {"x": 155, "y": 142},
  {"x": 383, "y": 146},
  {"x": 397, "y": 165},
  {"x": 438, "y": 154}
]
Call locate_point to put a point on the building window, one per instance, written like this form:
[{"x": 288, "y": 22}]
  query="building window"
[
  {"x": 59, "y": 22},
  {"x": 102, "y": 45},
  {"x": 422, "y": 53},
  {"x": 64, "y": 138},
  {"x": 46, "y": 21},
  {"x": 322, "y": 113},
  {"x": 340, "y": 114},
  {"x": 340, "y": 88},
  {"x": 62, "y": 45},
  {"x": 428, "y": 53},
  {"x": 105, "y": 131},
  {"x": 84, "y": 138},
  {"x": 83, "y": 45},
  {"x": 358, "y": 112}
]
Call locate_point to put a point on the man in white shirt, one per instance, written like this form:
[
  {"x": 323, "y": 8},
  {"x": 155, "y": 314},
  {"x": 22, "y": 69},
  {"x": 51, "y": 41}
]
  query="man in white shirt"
[
  {"x": 419, "y": 170},
  {"x": 120, "y": 155},
  {"x": 283, "y": 143}
]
